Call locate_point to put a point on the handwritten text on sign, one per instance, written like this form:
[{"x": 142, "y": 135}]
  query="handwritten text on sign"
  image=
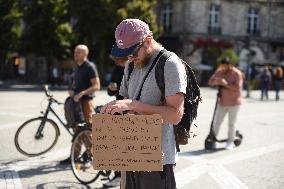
[{"x": 127, "y": 142}]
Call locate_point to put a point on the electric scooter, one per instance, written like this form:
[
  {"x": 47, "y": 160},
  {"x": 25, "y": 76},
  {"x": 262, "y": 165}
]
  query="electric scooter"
[{"x": 210, "y": 141}]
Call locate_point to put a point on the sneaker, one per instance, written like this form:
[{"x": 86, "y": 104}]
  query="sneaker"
[
  {"x": 112, "y": 183},
  {"x": 229, "y": 146}
]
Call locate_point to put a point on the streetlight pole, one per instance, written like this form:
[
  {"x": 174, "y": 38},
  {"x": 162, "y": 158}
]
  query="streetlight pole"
[
  {"x": 248, "y": 74},
  {"x": 248, "y": 67},
  {"x": 250, "y": 56},
  {"x": 248, "y": 80}
]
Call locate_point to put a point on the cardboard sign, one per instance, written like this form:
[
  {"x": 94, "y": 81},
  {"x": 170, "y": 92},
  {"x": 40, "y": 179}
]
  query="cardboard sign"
[{"x": 127, "y": 142}]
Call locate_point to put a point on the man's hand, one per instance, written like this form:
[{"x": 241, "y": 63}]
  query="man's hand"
[
  {"x": 112, "y": 86},
  {"x": 223, "y": 82},
  {"x": 71, "y": 93},
  {"x": 77, "y": 97},
  {"x": 218, "y": 81},
  {"x": 119, "y": 106}
]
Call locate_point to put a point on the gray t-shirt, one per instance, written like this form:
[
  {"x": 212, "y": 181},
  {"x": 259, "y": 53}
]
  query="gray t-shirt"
[{"x": 175, "y": 82}]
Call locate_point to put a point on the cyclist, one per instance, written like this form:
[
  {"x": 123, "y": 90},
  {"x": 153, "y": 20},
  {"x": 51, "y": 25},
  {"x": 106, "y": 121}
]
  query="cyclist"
[{"x": 86, "y": 82}]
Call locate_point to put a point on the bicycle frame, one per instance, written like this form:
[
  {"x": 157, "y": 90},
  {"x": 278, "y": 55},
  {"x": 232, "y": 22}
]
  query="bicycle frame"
[{"x": 50, "y": 109}]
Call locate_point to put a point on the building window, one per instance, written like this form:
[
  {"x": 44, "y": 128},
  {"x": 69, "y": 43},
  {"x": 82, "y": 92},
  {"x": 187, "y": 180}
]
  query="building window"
[
  {"x": 214, "y": 19},
  {"x": 253, "y": 21},
  {"x": 166, "y": 17}
]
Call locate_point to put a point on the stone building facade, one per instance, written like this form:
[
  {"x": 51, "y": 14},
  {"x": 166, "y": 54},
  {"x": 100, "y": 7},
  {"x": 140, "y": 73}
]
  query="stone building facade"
[{"x": 200, "y": 30}]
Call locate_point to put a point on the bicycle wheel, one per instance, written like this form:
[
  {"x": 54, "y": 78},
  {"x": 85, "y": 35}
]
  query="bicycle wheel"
[
  {"x": 30, "y": 142},
  {"x": 81, "y": 158}
]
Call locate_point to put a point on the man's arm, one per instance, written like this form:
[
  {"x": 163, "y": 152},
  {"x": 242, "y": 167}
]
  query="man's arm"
[
  {"x": 237, "y": 85},
  {"x": 96, "y": 85},
  {"x": 216, "y": 80},
  {"x": 171, "y": 111},
  {"x": 234, "y": 87}
]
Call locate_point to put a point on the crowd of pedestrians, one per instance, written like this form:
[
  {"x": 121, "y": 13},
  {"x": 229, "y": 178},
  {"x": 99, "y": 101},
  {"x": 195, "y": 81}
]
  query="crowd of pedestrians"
[{"x": 270, "y": 79}]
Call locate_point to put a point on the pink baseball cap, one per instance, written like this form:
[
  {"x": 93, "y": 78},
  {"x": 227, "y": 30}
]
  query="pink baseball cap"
[{"x": 128, "y": 35}]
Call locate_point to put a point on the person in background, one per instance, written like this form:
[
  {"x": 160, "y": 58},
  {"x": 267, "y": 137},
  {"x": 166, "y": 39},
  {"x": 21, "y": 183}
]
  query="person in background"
[
  {"x": 113, "y": 90},
  {"x": 278, "y": 77},
  {"x": 230, "y": 81},
  {"x": 135, "y": 41},
  {"x": 265, "y": 80},
  {"x": 55, "y": 76},
  {"x": 116, "y": 77},
  {"x": 68, "y": 78},
  {"x": 86, "y": 81}
]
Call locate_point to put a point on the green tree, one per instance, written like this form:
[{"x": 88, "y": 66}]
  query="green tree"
[
  {"x": 144, "y": 10},
  {"x": 9, "y": 28},
  {"x": 95, "y": 22},
  {"x": 47, "y": 31},
  {"x": 229, "y": 53}
]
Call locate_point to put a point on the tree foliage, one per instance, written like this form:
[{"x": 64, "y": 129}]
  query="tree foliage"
[
  {"x": 142, "y": 9},
  {"x": 9, "y": 28},
  {"x": 47, "y": 31},
  {"x": 51, "y": 28},
  {"x": 95, "y": 22}
]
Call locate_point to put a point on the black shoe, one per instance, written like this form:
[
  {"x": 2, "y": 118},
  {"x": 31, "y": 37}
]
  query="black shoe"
[{"x": 65, "y": 161}]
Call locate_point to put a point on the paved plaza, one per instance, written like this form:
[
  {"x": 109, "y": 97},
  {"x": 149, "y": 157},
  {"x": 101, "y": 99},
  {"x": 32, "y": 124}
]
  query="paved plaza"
[{"x": 256, "y": 164}]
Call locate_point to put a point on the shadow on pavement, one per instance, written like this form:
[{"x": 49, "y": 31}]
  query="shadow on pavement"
[
  {"x": 60, "y": 184},
  {"x": 200, "y": 152},
  {"x": 30, "y": 88},
  {"x": 47, "y": 169},
  {"x": 257, "y": 100},
  {"x": 42, "y": 170},
  {"x": 10, "y": 162}
]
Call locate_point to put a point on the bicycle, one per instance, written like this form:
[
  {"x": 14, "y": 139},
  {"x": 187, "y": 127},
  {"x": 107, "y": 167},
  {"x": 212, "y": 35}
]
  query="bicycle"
[
  {"x": 82, "y": 158},
  {"x": 41, "y": 129},
  {"x": 39, "y": 135}
]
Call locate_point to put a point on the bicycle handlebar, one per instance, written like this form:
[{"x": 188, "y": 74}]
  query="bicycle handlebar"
[
  {"x": 54, "y": 100},
  {"x": 46, "y": 91}
]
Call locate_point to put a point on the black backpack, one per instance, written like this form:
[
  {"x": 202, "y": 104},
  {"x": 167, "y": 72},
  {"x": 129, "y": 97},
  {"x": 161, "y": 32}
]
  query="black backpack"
[
  {"x": 73, "y": 112},
  {"x": 191, "y": 99}
]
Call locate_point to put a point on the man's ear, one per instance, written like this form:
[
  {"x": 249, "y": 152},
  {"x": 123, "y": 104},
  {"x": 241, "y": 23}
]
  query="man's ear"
[{"x": 147, "y": 42}]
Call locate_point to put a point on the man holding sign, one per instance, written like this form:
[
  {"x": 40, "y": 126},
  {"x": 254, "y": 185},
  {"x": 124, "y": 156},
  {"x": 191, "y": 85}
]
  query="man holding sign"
[{"x": 135, "y": 41}]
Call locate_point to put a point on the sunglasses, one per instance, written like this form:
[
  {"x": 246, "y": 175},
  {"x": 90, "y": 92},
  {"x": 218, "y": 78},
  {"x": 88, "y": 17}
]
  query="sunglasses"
[{"x": 136, "y": 50}]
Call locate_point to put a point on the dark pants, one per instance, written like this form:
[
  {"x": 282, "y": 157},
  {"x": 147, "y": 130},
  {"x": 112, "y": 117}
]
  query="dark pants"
[
  {"x": 277, "y": 88},
  {"x": 264, "y": 91},
  {"x": 151, "y": 180}
]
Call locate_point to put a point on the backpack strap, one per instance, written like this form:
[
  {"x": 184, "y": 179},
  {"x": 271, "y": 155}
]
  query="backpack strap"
[
  {"x": 150, "y": 69},
  {"x": 130, "y": 70},
  {"x": 159, "y": 73}
]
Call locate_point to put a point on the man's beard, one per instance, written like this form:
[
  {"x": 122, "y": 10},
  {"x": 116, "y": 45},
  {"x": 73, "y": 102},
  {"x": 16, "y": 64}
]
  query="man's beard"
[{"x": 143, "y": 62}]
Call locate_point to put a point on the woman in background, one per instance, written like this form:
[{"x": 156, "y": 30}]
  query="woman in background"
[{"x": 278, "y": 76}]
